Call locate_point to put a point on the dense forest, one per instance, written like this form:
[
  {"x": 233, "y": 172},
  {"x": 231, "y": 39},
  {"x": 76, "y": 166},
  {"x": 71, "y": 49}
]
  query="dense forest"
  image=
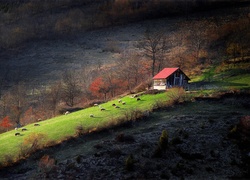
[{"x": 196, "y": 43}]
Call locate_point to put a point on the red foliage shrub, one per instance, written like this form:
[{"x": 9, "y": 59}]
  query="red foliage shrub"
[{"x": 6, "y": 123}]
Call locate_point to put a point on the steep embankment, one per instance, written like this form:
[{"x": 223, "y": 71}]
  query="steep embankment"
[
  {"x": 60, "y": 128},
  {"x": 198, "y": 147}
]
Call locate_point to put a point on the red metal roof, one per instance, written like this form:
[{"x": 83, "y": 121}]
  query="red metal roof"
[{"x": 163, "y": 74}]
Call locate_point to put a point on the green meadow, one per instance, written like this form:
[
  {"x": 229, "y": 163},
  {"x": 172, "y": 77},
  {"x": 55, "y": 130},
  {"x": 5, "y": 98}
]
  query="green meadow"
[
  {"x": 62, "y": 127},
  {"x": 223, "y": 77}
]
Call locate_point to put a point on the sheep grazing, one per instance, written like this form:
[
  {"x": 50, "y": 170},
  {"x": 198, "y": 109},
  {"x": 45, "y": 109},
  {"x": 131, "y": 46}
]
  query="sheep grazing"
[
  {"x": 101, "y": 108},
  {"x": 123, "y": 103},
  {"x": 16, "y": 128},
  {"x": 91, "y": 115},
  {"x": 138, "y": 99},
  {"x": 119, "y": 100},
  {"x": 36, "y": 124},
  {"x": 67, "y": 112},
  {"x": 24, "y": 129},
  {"x": 134, "y": 96},
  {"x": 96, "y": 104},
  {"x": 113, "y": 105},
  {"x": 17, "y": 134},
  {"x": 117, "y": 107}
]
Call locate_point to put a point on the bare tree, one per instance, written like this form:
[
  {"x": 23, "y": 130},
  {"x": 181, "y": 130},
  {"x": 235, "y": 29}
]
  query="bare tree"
[
  {"x": 42, "y": 106},
  {"x": 71, "y": 89},
  {"x": 154, "y": 45},
  {"x": 238, "y": 41},
  {"x": 111, "y": 81},
  {"x": 198, "y": 37},
  {"x": 178, "y": 42},
  {"x": 4, "y": 104},
  {"x": 55, "y": 96},
  {"x": 18, "y": 101},
  {"x": 131, "y": 70}
]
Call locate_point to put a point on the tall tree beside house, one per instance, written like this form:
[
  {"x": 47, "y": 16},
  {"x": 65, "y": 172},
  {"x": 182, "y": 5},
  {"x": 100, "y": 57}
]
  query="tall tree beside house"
[
  {"x": 178, "y": 53},
  {"x": 128, "y": 71},
  {"x": 132, "y": 70},
  {"x": 154, "y": 44},
  {"x": 6, "y": 123},
  {"x": 198, "y": 38}
]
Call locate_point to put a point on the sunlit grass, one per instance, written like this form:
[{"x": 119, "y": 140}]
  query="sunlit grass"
[
  {"x": 60, "y": 128},
  {"x": 224, "y": 77}
]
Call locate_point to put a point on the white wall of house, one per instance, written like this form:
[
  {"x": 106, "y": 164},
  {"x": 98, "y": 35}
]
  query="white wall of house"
[
  {"x": 160, "y": 84},
  {"x": 160, "y": 87}
]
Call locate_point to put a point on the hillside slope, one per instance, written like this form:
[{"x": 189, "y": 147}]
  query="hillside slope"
[
  {"x": 199, "y": 147},
  {"x": 44, "y": 60}
]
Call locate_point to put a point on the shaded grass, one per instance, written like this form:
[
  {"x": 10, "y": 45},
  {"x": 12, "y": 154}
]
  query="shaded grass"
[
  {"x": 224, "y": 77},
  {"x": 62, "y": 127}
]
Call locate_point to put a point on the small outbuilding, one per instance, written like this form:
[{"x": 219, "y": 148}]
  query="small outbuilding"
[{"x": 170, "y": 77}]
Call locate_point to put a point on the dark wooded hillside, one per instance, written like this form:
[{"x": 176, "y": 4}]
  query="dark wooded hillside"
[{"x": 25, "y": 20}]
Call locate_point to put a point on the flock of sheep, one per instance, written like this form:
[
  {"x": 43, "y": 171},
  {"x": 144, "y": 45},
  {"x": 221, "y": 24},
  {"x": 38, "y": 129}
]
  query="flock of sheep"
[
  {"x": 114, "y": 105},
  {"x": 91, "y": 115},
  {"x": 103, "y": 109},
  {"x": 23, "y": 129}
]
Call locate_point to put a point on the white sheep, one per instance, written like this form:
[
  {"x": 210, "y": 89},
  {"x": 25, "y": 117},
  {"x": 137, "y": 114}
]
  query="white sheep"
[
  {"x": 67, "y": 112},
  {"x": 101, "y": 108}
]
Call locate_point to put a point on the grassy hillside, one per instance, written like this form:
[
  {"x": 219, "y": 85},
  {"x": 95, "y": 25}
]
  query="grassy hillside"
[
  {"x": 62, "y": 127},
  {"x": 58, "y": 129},
  {"x": 225, "y": 76}
]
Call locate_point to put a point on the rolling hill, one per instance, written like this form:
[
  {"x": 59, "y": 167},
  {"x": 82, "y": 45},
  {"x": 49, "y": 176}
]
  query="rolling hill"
[{"x": 198, "y": 130}]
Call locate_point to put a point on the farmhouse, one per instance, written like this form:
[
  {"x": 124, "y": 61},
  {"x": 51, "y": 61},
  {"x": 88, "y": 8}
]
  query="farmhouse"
[{"x": 170, "y": 77}]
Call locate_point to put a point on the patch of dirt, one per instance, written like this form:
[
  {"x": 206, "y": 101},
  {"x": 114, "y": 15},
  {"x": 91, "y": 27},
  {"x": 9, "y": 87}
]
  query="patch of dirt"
[{"x": 198, "y": 148}]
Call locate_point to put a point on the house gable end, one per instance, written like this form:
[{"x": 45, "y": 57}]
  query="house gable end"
[{"x": 170, "y": 77}]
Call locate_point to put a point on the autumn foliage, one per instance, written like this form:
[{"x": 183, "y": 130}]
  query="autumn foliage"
[
  {"x": 99, "y": 88},
  {"x": 6, "y": 123}
]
